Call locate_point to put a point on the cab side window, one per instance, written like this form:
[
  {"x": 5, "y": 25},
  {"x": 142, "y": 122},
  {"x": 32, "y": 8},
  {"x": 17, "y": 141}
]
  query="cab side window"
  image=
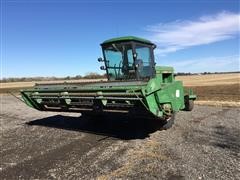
[{"x": 144, "y": 56}]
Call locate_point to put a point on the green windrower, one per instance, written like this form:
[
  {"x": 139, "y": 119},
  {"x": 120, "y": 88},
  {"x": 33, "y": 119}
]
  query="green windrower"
[{"x": 135, "y": 86}]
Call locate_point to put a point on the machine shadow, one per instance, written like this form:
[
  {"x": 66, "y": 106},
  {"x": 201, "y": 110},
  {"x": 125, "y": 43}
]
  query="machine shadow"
[{"x": 120, "y": 127}]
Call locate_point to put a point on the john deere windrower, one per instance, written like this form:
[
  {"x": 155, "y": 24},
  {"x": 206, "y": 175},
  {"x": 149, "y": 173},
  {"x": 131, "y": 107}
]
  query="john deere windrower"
[{"x": 135, "y": 86}]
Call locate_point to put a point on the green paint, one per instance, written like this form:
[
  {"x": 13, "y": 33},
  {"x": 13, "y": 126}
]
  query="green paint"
[{"x": 126, "y": 38}]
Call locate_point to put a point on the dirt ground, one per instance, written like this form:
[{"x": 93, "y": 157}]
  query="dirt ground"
[{"x": 203, "y": 144}]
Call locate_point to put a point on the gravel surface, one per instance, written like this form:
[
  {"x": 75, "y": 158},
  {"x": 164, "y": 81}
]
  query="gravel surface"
[{"x": 203, "y": 144}]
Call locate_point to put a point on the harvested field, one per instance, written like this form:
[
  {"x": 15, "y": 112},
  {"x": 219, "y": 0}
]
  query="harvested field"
[
  {"x": 218, "y": 92},
  {"x": 203, "y": 144},
  {"x": 210, "y": 79},
  {"x": 215, "y": 89}
]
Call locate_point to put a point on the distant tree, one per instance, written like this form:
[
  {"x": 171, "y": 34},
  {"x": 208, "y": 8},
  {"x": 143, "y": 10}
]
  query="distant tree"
[
  {"x": 78, "y": 77},
  {"x": 67, "y": 78},
  {"x": 93, "y": 75}
]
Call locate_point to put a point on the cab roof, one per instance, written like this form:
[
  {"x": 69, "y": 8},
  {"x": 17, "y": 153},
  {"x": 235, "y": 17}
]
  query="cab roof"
[{"x": 127, "y": 38}]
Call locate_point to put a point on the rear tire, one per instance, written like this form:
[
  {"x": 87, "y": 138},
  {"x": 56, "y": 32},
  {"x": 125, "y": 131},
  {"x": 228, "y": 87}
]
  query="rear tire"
[
  {"x": 189, "y": 104},
  {"x": 168, "y": 123}
]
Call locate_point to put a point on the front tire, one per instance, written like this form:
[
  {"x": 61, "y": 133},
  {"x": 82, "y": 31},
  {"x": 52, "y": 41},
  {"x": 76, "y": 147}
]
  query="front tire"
[{"x": 168, "y": 123}]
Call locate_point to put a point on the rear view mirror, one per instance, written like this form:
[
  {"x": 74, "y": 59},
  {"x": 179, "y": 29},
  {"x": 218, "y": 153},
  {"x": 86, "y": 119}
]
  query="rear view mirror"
[
  {"x": 103, "y": 68},
  {"x": 100, "y": 59}
]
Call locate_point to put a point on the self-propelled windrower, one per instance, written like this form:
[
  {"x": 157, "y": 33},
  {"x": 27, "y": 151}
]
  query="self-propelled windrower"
[{"x": 135, "y": 85}]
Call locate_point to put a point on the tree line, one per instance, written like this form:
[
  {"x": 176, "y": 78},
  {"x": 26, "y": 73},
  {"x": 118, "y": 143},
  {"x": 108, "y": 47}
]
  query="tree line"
[
  {"x": 91, "y": 75},
  {"x": 203, "y": 73}
]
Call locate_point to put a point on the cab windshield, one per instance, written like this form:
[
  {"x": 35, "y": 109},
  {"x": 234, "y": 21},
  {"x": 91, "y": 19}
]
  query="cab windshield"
[
  {"x": 128, "y": 61},
  {"x": 119, "y": 61}
]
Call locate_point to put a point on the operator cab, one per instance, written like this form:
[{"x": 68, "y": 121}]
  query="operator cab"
[{"x": 128, "y": 58}]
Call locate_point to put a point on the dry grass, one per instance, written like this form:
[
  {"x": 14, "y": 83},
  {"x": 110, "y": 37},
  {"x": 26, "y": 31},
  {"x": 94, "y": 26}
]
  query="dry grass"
[
  {"x": 219, "y": 103},
  {"x": 230, "y": 92},
  {"x": 215, "y": 89}
]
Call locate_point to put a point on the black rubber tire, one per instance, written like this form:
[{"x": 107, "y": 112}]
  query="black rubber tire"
[
  {"x": 189, "y": 104},
  {"x": 167, "y": 124}
]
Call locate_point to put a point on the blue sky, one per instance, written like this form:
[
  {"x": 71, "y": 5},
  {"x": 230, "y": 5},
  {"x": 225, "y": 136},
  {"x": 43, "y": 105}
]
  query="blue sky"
[{"x": 61, "y": 38}]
